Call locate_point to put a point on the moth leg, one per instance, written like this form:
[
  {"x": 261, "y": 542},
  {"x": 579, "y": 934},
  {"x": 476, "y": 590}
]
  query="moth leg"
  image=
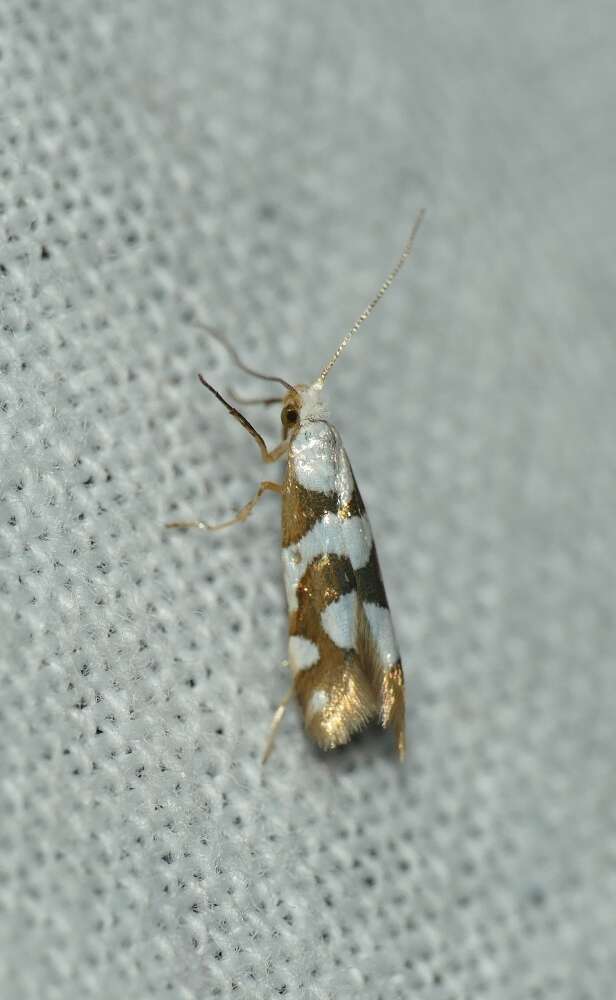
[
  {"x": 278, "y": 714},
  {"x": 267, "y": 456},
  {"x": 240, "y": 516},
  {"x": 187, "y": 524},
  {"x": 262, "y": 400}
]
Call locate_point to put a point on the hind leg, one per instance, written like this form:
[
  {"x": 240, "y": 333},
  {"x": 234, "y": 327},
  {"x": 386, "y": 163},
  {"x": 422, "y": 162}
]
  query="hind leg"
[{"x": 277, "y": 719}]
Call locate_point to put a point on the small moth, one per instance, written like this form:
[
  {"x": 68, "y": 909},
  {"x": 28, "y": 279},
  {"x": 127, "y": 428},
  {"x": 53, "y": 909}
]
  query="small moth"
[{"x": 343, "y": 653}]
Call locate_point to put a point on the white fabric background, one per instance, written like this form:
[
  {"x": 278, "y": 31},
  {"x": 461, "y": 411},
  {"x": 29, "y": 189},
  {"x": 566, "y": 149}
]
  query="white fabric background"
[{"x": 257, "y": 166}]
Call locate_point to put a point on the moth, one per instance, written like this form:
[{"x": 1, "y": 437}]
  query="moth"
[{"x": 343, "y": 655}]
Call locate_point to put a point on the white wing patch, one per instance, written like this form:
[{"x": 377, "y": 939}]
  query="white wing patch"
[
  {"x": 303, "y": 653},
  {"x": 332, "y": 535},
  {"x": 313, "y": 456},
  {"x": 345, "y": 481},
  {"x": 339, "y": 620},
  {"x": 320, "y": 462},
  {"x": 316, "y": 703},
  {"x": 382, "y": 631}
]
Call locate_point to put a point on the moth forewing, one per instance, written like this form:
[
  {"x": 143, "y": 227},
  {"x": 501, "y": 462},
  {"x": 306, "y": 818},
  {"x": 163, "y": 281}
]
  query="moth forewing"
[{"x": 342, "y": 650}]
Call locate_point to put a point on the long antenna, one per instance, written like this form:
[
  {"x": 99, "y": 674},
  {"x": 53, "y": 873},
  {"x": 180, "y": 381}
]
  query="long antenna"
[
  {"x": 406, "y": 253},
  {"x": 220, "y": 337}
]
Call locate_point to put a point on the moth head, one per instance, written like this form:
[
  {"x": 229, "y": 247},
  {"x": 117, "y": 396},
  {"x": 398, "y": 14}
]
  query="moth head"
[{"x": 302, "y": 403}]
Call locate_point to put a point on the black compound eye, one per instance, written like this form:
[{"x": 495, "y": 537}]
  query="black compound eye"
[{"x": 289, "y": 415}]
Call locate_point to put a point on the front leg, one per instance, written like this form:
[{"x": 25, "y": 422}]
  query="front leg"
[
  {"x": 240, "y": 516},
  {"x": 267, "y": 456}
]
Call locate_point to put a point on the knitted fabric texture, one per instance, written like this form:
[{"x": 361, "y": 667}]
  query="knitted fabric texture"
[{"x": 257, "y": 166}]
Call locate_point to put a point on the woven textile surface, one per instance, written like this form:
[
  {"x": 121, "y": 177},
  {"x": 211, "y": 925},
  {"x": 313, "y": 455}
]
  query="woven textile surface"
[{"x": 257, "y": 166}]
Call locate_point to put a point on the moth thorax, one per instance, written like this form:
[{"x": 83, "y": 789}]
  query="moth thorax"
[{"x": 313, "y": 406}]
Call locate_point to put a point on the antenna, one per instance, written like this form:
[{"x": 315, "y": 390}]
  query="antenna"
[
  {"x": 220, "y": 337},
  {"x": 406, "y": 253}
]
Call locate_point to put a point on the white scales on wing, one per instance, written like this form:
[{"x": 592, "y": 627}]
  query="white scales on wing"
[{"x": 332, "y": 535}]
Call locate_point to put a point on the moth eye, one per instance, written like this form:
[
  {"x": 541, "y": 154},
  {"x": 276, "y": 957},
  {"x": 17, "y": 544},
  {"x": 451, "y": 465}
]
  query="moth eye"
[{"x": 289, "y": 415}]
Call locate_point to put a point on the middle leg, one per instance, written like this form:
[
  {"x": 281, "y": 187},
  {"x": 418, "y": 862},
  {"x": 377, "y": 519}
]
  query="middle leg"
[{"x": 240, "y": 516}]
